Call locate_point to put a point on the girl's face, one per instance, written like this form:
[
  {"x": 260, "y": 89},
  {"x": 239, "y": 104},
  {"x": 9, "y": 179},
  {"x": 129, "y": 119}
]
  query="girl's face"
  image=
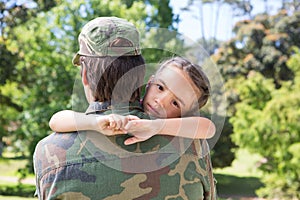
[{"x": 170, "y": 94}]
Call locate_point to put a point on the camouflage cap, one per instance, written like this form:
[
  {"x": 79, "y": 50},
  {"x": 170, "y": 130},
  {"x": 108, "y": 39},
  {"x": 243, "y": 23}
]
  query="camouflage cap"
[{"x": 98, "y": 34}]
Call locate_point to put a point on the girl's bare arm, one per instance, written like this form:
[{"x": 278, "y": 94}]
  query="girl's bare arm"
[
  {"x": 68, "y": 120},
  {"x": 141, "y": 129},
  {"x": 190, "y": 127}
]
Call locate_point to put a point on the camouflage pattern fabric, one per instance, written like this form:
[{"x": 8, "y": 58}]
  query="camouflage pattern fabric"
[
  {"x": 97, "y": 35},
  {"x": 80, "y": 165}
]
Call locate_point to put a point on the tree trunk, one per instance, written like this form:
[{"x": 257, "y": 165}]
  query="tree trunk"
[{"x": 201, "y": 19}]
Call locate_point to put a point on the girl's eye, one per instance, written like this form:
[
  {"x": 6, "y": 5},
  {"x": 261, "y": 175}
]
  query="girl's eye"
[
  {"x": 176, "y": 104},
  {"x": 160, "y": 87}
]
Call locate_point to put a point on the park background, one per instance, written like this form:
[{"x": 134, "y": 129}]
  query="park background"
[{"x": 256, "y": 52}]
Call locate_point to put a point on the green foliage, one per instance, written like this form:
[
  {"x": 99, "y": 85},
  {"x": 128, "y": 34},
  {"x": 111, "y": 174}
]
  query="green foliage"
[
  {"x": 271, "y": 128},
  {"x": 222, "y": 154},
  {"x": 9, "y": 185},
  {"x": 38, "y": 77},
  {"x": 21, "y": 190},
  {"x": 261, "y": 68},
  {"x": 263, "y": 44},
  {"x": 229, "y": 186}
]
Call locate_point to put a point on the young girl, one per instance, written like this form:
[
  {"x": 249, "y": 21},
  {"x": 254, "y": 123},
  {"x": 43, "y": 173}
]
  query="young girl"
[{"x": 178, "y": 89}]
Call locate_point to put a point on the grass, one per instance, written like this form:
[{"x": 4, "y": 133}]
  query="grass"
[
  {"x": 10, "y": 166},
  {"x": 244, "y": 165},
  {"x": 236, "y": 182},
  {"x": 9, "y": 186},
  {"x": 14, "y": 189},
  {"x": 15, "y": 198},
  {"x": 23, "y": 191},
  {"x": 241, "y": 179},
  {"x": 230, "y": 186}
]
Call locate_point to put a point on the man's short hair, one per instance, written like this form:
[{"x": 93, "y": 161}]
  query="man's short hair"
[{"x": 115, "y": 78}]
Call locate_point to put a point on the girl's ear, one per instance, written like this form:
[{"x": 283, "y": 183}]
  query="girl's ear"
[
  {"x": 151, "y": 78},
  {"x": 149, "y": 81}
]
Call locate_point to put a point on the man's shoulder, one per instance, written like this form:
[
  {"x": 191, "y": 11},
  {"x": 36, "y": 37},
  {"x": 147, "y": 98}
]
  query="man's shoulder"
[
  {"x": 63, "y": 140},
  {"x": 58, "y": 150}
]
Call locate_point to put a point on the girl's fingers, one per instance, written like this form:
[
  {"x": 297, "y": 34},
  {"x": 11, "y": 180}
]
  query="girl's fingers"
[
  {"x": 132, "y": 140},
  {"x": 112, "y": 123},
  {"x": 117, "y": 122},
  {"x": 121, "y": 122}
]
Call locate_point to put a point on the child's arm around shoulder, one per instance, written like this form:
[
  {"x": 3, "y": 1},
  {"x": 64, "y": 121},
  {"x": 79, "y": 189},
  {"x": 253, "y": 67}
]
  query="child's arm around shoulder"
[
  {"x": 189, "y": 127},
  {"x": 68, "y": 121}
]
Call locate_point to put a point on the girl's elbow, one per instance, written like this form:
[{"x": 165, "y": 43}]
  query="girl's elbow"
[
  {"x": 211, "y": 131},
  {"x": 52, "y": 125}
]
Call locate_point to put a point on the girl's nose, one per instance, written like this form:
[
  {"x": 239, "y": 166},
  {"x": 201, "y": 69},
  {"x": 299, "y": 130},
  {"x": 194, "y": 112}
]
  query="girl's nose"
[{"x": 160, "y": 99}]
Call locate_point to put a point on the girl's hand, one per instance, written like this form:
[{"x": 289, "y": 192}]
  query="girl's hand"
[
  {"x": 113, "y": 124},
  {"x": 141, "y": 130}
]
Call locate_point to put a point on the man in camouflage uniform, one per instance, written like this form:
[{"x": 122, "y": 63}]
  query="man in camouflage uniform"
[{"x": 90, "y": 165}]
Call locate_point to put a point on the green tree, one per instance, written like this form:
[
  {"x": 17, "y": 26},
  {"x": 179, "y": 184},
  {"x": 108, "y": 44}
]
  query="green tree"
[
  {"x": 38, "y": 75},
  {"x": 262, "y": 87},
  {"x": 267, "y": 122},
  {"x": 13, "y": 14},
  {"x": 262, "y": 45}
]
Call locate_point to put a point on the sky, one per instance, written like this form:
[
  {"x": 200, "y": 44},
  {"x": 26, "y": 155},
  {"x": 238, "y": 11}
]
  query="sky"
[{"x": 190, "y": 25}]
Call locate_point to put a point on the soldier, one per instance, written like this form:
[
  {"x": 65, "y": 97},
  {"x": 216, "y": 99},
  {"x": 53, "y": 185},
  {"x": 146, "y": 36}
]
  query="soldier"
[
  {"x": 164, "y": 99},
  {"x": 90, "y": 165}
]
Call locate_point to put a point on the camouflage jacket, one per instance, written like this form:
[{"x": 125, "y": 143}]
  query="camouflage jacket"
[{"x": 89, "y": 165}]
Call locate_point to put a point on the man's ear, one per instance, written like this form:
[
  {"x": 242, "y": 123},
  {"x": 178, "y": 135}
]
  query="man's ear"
[{"x": 84, "y": 76}]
